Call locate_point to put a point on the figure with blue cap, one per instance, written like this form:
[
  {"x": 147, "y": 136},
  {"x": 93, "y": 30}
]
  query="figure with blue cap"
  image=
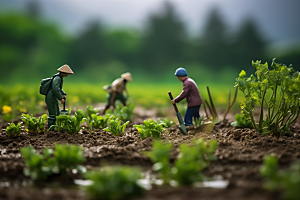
[{"x": 192, "y": 95}]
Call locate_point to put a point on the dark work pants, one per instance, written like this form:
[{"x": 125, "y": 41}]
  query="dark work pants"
[
  {"x": 53, "y": 110},
  {"x": 190, "y": 113}
]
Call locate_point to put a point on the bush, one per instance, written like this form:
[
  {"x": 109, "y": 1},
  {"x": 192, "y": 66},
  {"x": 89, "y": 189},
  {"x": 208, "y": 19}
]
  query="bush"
[
  {"x": 34, "y": 125},
  {"x": 150, "y": 128},
  {"x": 13, "y": 130}
]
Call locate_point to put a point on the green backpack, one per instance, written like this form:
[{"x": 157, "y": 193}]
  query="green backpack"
[{"x": 45, "y": 84}]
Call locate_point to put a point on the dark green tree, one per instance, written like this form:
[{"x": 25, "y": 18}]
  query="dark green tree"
[
  {"x": 249, "y": 44},
  {"x": 164, "y": 40},
  {"x": 213, "y": 44},
  {"x": 88, "y": 47}
]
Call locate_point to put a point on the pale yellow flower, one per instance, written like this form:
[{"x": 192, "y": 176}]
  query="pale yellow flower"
[
  {"x": 75, "y": 99},
  {"x": 6, "y": 109},
  {"x": 23, "y": 110}
]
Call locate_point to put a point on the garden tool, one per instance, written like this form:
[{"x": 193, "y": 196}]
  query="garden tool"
[
  {"x": 64, "y": 111},
  {"x": 179, "y": 117}
]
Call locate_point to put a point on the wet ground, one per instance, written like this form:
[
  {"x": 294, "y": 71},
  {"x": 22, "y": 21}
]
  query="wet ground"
[{"x": 239, "y": 155}]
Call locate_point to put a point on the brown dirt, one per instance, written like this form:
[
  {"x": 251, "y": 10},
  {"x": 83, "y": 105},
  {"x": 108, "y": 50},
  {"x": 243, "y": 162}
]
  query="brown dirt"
[{"x": 239, "y": 155}]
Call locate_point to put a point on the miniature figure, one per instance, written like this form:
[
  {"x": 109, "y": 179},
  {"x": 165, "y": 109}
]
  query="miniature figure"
[
  {"x": 55, "y": 93},
  {"x": 191, "y": 93},
  {"x": 116, "y": 91}
]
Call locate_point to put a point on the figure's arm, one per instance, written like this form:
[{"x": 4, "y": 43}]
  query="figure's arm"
[{"x": 184, "y": 93}]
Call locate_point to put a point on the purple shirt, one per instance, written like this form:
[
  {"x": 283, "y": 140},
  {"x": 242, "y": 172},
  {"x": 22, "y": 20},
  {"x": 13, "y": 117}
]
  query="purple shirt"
[{"x": 190, "y": 92}]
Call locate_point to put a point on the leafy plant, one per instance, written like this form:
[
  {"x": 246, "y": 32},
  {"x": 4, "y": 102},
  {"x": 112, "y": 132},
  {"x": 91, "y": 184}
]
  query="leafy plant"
[
  {"x": 241, "y": 121},
  {"x": 167, "y": 122},
  {"x": 193, "y": 159},
  {"x": 115, "y": 126},
  {"x": 34, "y": 125},
  {"x": 41, "y": 166},
  {"x": 123, "y": 112},
  {"x": 283, "y": 106},
  {"x": 68, "y": 157},
  {"x": 198, "y": 121},
  {"x": 150, "y": 128},
  {"x": 90, "y": 111},
  {"x": 287, "y": 180},
  {"x": 70, "y": 124},
  {"x": 114, "y": 183},
  {"x": 160, "y": 155},
  {"x": 13, "y": 130},
  {"x": 98, "y": 121}
]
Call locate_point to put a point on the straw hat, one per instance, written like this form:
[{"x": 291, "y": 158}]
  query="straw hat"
[
  {"x": 127, "y": 76},
  {"x": 65, "y": 69}
]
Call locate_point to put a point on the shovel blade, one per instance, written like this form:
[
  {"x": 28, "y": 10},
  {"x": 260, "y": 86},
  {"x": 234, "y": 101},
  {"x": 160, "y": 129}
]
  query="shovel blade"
[
  {"x": 64, "y": 112},
  {"x": 181, "y": 124}
]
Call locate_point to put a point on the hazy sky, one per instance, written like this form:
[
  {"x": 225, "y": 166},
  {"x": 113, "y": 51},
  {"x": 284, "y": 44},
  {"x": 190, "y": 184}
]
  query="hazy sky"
[{"x": 278, "y": 19}]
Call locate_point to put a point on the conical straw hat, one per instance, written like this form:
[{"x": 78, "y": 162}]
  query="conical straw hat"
[
  {"x": 65, "y": 69},
  {"x": 127, "y": 76}
]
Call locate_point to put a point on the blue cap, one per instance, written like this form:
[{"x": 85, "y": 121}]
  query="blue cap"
[{"x": 181, "y": 72}]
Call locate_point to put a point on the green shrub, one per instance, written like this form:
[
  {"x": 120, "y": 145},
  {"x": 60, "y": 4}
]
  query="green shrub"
[
  {"x": 150, "y": 128},
  {"x": 64, "y": 159},
  {"x": 192, "y": 160},
  {"x": 123, "y": 112},
  {"x": 283, "y": 85},
  {"x": 160, "y": 155},
  {"x": 99, "y": 121},
  {"x": 288, "y": 180},
  {"x": 241, "y": 121},
  {"x": 199, "y": 121},
  {"x": 34, "y": 125},
  {"x": 13, "y": 130},
  {"x": 115, "y": 126},
  {"x": 70, "y": 124},
  {"x": 90, "y": 111},
  {"x": 167, "y": 122},
  {"x": 114, "y": 183}
]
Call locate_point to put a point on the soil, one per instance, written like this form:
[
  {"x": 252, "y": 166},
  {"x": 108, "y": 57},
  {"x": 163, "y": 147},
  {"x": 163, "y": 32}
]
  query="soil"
[{"x": 239, "y": 155}]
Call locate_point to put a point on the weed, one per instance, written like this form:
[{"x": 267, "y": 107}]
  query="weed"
[
  {"x": 167, "y": 122},
  {"x": 34, "y": 125},
  {"x": 150, "y": 128},
  {"x": 13, "y": 130},
  {"x": 115, "y": 126}
]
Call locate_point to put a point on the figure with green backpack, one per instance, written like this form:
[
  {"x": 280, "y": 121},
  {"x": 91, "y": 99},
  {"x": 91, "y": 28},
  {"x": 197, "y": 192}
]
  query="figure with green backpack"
[{"x": 52, "y": 89}]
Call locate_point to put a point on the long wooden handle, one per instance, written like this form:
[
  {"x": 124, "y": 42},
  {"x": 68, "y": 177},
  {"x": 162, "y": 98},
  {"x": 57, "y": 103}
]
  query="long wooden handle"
[{"x": 171, "y": 97}]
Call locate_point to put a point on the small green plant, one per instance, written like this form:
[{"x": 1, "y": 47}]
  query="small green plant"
[
  {"x": 115, "y": 126},
  {"x": 167, "y": 122},
  {"x": 13, "y": 130},
  {"x": 34, "y": 125},
  {"x": 70, "y": 124},
  {"x": 98, "y": 121},
  {"x": 199, "y": 121},
  {"x": 68, "y": 157},
  {"x": 282, "y": 104},
  {"x": 114, "y": 183},
  {"x": 90, "y": 111},
  {"x": 38, "y": 166},
  {"x": 192, "y": 160},
  {"x": 150, "y": 128},
  {"x": 241, "y": 121},
  {"x": 123, "y": 112},
  {"x": 64, "y": 159},
  {"x": 160, "y": 155},
  {"x": 288, "y": 180}
]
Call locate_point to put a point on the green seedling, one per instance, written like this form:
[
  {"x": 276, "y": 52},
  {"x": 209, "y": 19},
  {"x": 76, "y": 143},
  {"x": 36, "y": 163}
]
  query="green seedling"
[
  {"x": 34, "y": 125},
  {"x": 13, "y": 130},
  {"x": 70, "y": 124},
  {"x": 64, "y": 159},
  {"x": 123, "y": 112},
  {"x": 167, "y": 122},
  {"x": 282, "y": 83},
  {"x": 99, "y": 121},
  {"x": 114, "y": 183},
  {"x": 150, "y": 128},
  {"x": 68, "y": 157},
  {"x": 199, "y": 121},
  {"x": 192, "y": 160},
  {"x": 287, "y": 181},
  {"x": 241, "y": 121},
  {"x": 90, "y": 111},
  {"x": 115, "y": 126},
  {"x": 160, "y": 156}
]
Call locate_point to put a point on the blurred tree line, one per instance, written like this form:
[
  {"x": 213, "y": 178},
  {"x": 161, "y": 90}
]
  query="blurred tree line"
[{"x": 33, "y": 48}]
